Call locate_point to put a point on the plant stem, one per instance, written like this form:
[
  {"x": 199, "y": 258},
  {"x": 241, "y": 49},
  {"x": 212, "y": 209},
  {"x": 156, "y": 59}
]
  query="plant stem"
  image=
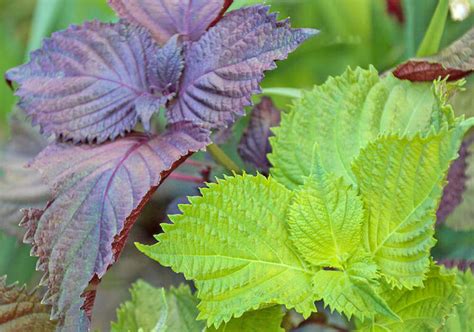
[
  {"x": 432, "y": 39},
  {"x": 284, "y": 92},
  {"x": 185, "y": 177},
  {"x": 221, "y": 158},
  {"x": 197, "y": 163}
]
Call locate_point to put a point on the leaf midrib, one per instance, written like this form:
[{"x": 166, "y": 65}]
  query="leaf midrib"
[{"x": 247, "y": 260}]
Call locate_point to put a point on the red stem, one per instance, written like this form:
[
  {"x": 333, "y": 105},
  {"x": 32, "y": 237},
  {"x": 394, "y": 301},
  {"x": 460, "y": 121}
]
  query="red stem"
[
  {"x": 185, "y": 177},
  {"x": 197, "y": 163}
]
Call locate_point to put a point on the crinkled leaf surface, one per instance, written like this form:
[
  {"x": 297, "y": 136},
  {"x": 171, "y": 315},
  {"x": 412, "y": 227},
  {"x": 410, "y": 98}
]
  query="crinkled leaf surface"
[
  {"x": 457, "y": 61},
  {"x": 21, "y": 310},
  {"x": 20, "y": 187},
  {"x": 165, "y": 18},
  {"x": 463, "y": 317},
  {"x": 93, "y": 82},
  {"x": 159, "y": 310},
  {"x": 421, "y": 309},
  {"x": 226, "y": 65},
  {"x": 254, "y": 144},
  {"x": 353, "y": 291},
  {"x": 400, "y": 181},
  {"x": 236, "y": 250},
  {"x": 325, "y": 220},
  {"x": 342, "y": 116},
  {"x": 98, "y": 193}
]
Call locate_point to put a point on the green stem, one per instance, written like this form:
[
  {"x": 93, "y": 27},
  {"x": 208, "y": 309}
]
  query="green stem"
[
  {"x": 468, "y": 124},
  {"x": 285, "y": 92},
  {"x": 432, "y": 39},
  {"x": 221, "y": 158}
]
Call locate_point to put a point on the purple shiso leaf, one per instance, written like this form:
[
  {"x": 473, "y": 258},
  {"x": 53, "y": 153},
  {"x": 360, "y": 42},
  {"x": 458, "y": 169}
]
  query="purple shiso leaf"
[
  {"x": 254, "y": 144},
  {"x": 457, "y": 179},
  {"x": 165, "y": 18},
  {"x": 92, "y": 82},
  {"x": 20, "y": 187},
  {"x": 98, "y": 192},
  {"x": 224, "y": 68},
  {"x": 168, "y": 65}
]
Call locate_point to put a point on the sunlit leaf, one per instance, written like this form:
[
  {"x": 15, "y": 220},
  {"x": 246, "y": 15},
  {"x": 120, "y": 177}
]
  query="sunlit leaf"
[
  {"x": 236, "y": 250},
  {"x": 326, "y": 220},
  {"x": 401, "y": 181},
  {"x": 343, "y": 115},
  {"x": 353, "y": 291}
]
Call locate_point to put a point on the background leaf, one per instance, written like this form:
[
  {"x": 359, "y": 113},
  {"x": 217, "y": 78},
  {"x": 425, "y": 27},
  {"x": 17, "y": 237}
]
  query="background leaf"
[
  {"x": 21, "y": 310},
  {"x": 188, "y": 18},
  {"x": 254, "y": 144},
  {"x": 462, "y": 319},
  {"x": 157, "y": 309}
]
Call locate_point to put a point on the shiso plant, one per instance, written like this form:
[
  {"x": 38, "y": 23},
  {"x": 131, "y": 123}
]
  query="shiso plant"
[
  {"x": 341, "y": 214},
  {"x": 90, "y": 85}
]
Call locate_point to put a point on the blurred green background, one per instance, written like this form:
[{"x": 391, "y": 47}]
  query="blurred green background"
[{"x": 353, "y": 33}]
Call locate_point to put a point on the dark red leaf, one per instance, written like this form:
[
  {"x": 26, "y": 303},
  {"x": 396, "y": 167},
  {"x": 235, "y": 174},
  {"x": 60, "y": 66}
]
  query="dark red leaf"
[
  {"x": 420, "y": 71},
  {"x": 254, "y": 144},
  {"x": 454, "y": 62}
]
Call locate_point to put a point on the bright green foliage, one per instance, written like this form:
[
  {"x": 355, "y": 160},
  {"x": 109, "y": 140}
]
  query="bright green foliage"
[
  {"x": 353, "y": 290},
  {"x": 326, "y": 220},
  {"x": 263, "y": 320},
  {"x": 421, "y": 309},
  {"x": 401, "y": 181},
  {"x": 233, "y": 242},
  {"x": 347, "y": 218},
  {"x": 343, "y": 115},
  {"x": 463, "y": 317},
  {"x": 158, "y": 310}
]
